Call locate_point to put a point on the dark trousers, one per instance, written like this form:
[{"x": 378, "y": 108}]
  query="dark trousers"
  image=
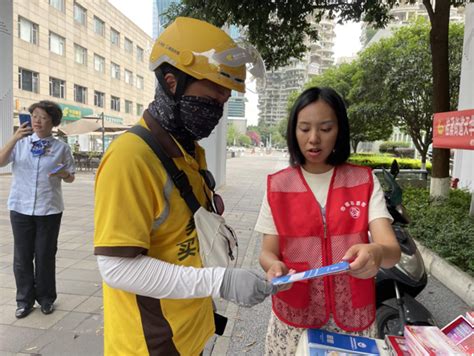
[{"x": 35, "y": 240}]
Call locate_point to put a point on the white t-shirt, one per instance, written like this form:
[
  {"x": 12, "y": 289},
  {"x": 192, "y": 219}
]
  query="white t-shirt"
[{"x": 319, "y": 184}]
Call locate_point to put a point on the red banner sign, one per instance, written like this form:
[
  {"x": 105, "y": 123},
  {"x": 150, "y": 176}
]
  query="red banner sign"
[{"x": 454, "y": 129}]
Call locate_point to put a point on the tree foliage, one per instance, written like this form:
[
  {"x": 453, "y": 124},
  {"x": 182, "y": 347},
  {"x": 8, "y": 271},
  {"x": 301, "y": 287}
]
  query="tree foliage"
[
  {"x": 366, "y": 122},
  {"x": 232, "y": 134},
  {"x": 279, "y": 28},
  {"x": 397, "y": 79}
]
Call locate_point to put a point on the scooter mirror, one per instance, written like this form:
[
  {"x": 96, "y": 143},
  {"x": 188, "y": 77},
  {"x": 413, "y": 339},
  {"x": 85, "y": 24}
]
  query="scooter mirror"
[{"x": 394, "y": 168}]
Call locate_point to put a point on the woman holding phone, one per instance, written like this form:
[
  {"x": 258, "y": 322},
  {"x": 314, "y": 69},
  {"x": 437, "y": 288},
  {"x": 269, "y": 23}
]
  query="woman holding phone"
[{"x": 40, "y": 163}]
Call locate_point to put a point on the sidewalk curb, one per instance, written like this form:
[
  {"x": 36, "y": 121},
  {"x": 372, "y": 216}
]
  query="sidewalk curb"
[{"x": 459, "y": 282}]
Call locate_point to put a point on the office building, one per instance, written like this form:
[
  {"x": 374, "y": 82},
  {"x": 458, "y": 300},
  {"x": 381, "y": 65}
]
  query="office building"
[
  {"x": 159, "y": 19},
  {"x": 281, "y": 82},
  {"x": 85, "y": 55}
]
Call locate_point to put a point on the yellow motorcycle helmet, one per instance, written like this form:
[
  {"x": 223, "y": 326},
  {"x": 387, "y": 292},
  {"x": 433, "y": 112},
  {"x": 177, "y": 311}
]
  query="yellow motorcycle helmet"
[{"x": 204, "y": 51}]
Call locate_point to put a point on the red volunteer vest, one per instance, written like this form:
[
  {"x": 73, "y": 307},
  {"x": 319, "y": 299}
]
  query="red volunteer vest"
[{"x": 307, "y": 242}]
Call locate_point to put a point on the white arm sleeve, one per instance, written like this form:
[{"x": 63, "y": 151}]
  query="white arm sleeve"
[{"x": 150, "y": 277}]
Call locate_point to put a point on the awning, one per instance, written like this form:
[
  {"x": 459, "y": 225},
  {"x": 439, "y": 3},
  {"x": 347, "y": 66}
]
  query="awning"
[{"x": 89, "y": 125}]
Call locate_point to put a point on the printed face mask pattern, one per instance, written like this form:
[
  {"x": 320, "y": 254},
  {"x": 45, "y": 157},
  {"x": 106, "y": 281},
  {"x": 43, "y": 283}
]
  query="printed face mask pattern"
[{"x": 200, "y": 115}]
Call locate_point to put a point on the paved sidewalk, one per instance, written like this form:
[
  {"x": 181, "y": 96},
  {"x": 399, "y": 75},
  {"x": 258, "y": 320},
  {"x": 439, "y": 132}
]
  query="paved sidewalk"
[{"x": 76, "y": 326}]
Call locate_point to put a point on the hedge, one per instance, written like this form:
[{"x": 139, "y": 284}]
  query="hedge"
[
  {"x": 385, "y": 161},
  {"x": 391, "y": 146},
  {"x": 443, "y": 226}
]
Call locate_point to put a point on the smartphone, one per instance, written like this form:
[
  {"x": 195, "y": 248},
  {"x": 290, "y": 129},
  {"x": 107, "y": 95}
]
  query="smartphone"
[
  {"x": 25, "y": 117},
  {"x": 57, "y": 169}
]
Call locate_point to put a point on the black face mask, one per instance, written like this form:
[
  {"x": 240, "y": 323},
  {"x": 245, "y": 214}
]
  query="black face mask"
[{"x": 199, "y": 116}]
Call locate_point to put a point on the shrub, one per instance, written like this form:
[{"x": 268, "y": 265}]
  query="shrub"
[
  {"x": 444, "y": 226},
  {"x": 385, "y": 161},
  {"x": 407, "y": 152},
  {"x": 391, "y": 146}
]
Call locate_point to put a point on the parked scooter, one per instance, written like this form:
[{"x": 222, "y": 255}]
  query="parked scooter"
[{"x": 397, "y": 287}]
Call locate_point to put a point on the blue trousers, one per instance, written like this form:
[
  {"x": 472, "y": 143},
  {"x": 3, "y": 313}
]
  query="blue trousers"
[{"x": 34, "y": 257}]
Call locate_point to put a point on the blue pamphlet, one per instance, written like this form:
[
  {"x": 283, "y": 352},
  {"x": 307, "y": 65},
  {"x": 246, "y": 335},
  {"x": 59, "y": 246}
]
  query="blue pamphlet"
[
  {"x": 320, "y": 342},
  {"x": 57, "y": 169},
  {"x": 312, "y": 273}
]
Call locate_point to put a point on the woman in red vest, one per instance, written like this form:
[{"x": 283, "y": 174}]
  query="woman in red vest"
[{"x": 318, "y": 212}]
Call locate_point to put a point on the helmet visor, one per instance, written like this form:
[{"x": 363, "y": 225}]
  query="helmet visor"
[{"x": 242, "y": 54}]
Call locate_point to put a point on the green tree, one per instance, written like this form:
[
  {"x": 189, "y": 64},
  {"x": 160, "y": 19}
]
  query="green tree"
[
  {"x": 264, "y": 130},
  {"x": 282, "y": 127},
  {"x": 232, "y": 134},
  {"x": 397, "y": 81},
  {"x": 244, "y": 140},
  {"x": 365, "y": 123},
  {"x": 280, "y": 29}
]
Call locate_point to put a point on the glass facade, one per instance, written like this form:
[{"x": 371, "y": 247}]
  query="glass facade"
[{"x": 159, "y": 20}]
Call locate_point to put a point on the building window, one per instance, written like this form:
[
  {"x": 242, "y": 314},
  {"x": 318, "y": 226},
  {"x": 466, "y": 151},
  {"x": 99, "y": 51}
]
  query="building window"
[
  {"x": 99, "y": 26},
  {"x": 57, "y": 4},
  {"x": 128, "y": 77},
  {"x": 115, "y": 103},
  {"x": 128, "y": 106},
  {"x": 139, "y": 109},
  {"x": 57, "y": 87},
  {"x": 56, "y": 43},
  {"x": 115, "y": 70},
  {"x": 99, "y": 63},
  {"x": 99, "y": 98},
  {"x": 115, "y": 37},
  {"x": 80, "y": 14},
  {"x": 139, "y": 54},
  {"x": 80, "y": 54},
  {"x": 27, "y": 30},
  {"x": 28, "y": 80},
  {"x": 80, "y": 94},
  {"x": 128, "y": 45},
  {"x": 140, "y": 83}
]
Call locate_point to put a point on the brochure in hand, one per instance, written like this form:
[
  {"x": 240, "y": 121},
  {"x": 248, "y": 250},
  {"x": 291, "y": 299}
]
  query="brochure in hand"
[
  {"x": 57, "y": 168},
  {"x": 312, "y": 273},
  {"x": 323, "y": 342}
]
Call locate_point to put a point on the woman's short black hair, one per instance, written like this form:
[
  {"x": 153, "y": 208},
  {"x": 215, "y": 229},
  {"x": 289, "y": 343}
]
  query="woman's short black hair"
[
  {"x": 51, "y": 108},
  {"x": 334, "y": 100}
]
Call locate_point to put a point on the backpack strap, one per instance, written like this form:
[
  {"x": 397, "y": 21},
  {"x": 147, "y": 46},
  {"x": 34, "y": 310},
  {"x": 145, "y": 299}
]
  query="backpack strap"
[{"x": 179, "y": 178}]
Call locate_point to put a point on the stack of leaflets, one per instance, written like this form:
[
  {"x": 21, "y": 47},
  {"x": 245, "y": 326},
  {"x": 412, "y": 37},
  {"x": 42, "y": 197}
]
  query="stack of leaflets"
[
  {"x": 470, "y": 317},
  {"x": 461, "y": 331},
  {"x": 312, "y": 273},
  {"x": 396, "y": 345},
  {"x": 429, "y": 340},
  {"x": 321, "y": 342}
]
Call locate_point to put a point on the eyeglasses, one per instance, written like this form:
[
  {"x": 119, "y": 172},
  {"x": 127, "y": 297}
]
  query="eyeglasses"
[{"x": 217, "y": 203}]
